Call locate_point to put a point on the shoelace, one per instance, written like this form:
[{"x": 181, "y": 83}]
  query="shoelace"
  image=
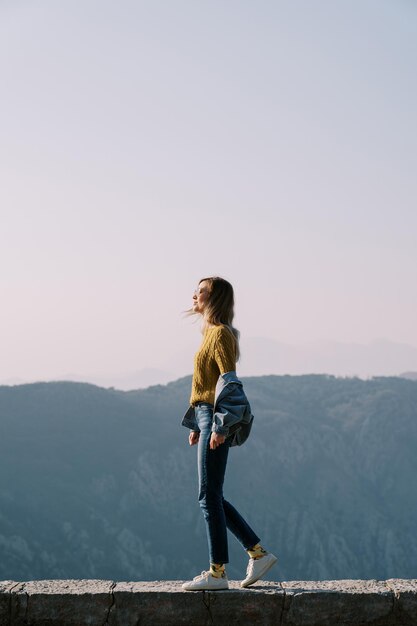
[
  {"x": 249, "y": 569},
  {"x": 250, "y": 566},
  {"x": 202, "y": 575}
]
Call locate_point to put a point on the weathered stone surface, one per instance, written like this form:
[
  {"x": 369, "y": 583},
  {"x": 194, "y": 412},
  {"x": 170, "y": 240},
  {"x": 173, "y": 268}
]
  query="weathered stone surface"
[
  {"x": 5, "y": 599},
  {"x": 159, "y": 603},
  {"x": 61, "y": 602},
  {"x": 405, "y": 594},
  {"x": 5, "y": 587},
  {"x": 165, "y": 603},
  {"x": 262, "y": 604},
  {"x": 337, "y": 602}
]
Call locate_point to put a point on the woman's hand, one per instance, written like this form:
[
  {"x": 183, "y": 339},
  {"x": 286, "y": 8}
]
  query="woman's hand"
[
  {"x": 193, "y": 437},
  {"x": 216, "y": 440}
]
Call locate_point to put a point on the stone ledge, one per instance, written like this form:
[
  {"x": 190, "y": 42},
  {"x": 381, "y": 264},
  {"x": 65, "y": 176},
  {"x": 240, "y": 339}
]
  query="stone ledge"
[{"x": 164, "y": 603}]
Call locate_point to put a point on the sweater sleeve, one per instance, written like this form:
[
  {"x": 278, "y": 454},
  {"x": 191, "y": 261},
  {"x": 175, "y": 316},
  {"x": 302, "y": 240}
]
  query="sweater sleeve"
[{"x": 225, "y": 350}]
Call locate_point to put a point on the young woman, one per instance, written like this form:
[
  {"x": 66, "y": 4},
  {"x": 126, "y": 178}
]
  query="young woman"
[{"x": 217, "y": 356}]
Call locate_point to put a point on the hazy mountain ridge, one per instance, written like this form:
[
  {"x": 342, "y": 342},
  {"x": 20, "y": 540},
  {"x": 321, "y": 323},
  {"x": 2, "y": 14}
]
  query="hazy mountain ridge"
[
  {"x": 409, "y": 375},
  {"x": 264, "y": 356},
  {"x": 102, "y": 483},
  {"x": 379, "y": 357}
]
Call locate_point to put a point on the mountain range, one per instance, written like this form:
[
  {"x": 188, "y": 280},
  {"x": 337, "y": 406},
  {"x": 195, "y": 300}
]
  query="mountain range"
[{"x": 101, "y": 483}]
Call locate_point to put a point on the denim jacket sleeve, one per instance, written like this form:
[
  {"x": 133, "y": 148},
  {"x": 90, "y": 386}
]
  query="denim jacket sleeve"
[
  {"x": 189, "y": 419},
  {"x": 228, "y": 409},
  {"x": 232, "y": 412}
]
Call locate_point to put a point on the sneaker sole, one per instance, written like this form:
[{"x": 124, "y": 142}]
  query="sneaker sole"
[
  {"x": 266, "y": 568},
  {"x": 205, "y": 588}
]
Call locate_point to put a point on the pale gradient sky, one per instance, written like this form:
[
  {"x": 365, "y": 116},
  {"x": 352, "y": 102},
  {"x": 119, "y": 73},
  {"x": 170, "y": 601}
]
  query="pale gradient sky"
[{"x": 147, "y": 144}]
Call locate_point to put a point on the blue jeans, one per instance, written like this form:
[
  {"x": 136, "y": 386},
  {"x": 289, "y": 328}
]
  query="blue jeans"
[{"x": 218, "y": 513}]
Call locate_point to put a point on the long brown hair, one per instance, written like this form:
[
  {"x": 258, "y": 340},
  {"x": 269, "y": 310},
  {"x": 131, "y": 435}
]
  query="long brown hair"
[{"x": 219, "y": 307}]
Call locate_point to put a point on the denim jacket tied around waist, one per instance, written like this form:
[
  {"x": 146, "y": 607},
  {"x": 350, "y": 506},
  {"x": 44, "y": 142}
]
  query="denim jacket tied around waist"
[{"x": 232, "y": 415}]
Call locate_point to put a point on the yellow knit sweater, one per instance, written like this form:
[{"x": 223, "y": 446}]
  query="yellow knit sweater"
[{"x": 217, "y": 355}]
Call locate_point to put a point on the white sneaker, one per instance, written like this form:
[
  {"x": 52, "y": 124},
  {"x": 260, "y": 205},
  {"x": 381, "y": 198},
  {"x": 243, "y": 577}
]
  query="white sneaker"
[
  {"x": 257, "y": 568},
  {"x": 206, "y": 580}
]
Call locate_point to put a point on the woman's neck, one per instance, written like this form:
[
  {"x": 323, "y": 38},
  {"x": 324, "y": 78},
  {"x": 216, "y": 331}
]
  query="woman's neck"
[{"x": 208, "y": 326}]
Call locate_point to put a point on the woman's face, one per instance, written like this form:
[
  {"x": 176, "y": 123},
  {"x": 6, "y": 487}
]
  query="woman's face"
[{"x": 200, "y": 297}]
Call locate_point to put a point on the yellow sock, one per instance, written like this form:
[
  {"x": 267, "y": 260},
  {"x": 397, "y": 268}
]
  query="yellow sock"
[
  {"x": 257, "y": 552},
  {"x": 217, "y": 570}
]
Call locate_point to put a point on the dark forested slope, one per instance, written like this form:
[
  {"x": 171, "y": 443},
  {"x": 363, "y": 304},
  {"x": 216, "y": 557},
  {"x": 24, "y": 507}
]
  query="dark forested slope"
[{"x": 100, "y": 483}]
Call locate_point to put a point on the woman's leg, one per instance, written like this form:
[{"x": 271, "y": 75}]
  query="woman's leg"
[
  {"x": 211, "y": 471},
  {"x": 218, "y": 512},
  {"x": 239, "y": 527}
]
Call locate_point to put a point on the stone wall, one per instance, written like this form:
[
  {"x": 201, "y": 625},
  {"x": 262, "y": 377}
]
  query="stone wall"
[{"x": 164, "y": 603}]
